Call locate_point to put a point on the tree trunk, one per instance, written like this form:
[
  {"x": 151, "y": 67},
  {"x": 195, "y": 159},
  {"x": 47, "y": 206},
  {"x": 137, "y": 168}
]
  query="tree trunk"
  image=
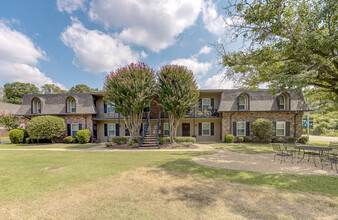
[
  {"x": 133, "y": 122},
  {"x": 174, "y": 123}
]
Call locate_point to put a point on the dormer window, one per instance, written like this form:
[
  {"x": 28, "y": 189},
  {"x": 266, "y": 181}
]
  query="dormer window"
[
  {"x": 243, "y": 102},
  {"x": 36, "y": 106},
  {"x": 71, "y": 105},
  {"x": 283, "y": 101}
]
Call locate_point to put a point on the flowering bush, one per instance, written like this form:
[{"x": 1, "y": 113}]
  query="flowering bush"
[
  {"x": 10, "y": 121},
  {"x": 130, "y": 89}
]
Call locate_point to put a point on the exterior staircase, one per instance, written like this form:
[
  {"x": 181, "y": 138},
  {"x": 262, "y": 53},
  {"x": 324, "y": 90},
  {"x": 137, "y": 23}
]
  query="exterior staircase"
[{"x": 151, "y": 133}]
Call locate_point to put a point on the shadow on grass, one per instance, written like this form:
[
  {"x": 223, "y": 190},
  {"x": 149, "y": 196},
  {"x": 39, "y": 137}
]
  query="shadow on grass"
[{"x": 305, "y": 183}]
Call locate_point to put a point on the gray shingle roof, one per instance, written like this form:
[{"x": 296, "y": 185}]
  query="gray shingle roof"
[
  {"x": 260, "y": 100},
  {"x": 55, "y": 104},
  {"x": 8, "y": 108}
]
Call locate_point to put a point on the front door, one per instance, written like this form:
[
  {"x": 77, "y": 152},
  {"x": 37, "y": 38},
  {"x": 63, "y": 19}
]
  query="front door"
[
  {"x": 186, "y": 129},
  {"x": 95, "y": 130}
]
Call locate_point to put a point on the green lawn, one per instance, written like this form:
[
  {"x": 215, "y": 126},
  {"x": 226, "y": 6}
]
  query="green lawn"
[
  {"x": 254, "y": 148},
  {"x": 4, "y": 138},
  {"x": 47, "y": 146}
]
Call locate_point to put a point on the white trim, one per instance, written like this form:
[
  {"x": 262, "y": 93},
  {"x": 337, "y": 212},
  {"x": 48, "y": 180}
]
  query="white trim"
[
  {"x": 114, "y": 129},
  {"x": 244, "y": 134},
  {"x": 280, "y": 122},
  {"x": 209, "y": 129},
  {"x": 203, "y": 100}
]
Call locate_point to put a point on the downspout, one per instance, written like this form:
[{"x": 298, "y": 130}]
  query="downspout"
[{"x": 295, "y": 124}]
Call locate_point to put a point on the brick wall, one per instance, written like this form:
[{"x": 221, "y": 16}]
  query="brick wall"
[
  {"x": 228, "y": 118},
  {"x": 155, "y": 109}
]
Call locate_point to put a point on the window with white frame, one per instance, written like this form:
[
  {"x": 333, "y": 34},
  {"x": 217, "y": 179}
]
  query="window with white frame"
[
  {"x": 37, "y": 106},
  {"x": 242, "y": 103},
  {"x": 206, "y": 103},
  {"x": 280, "y": 128},
  {"x": 166, "y": 131},
  {"x": 206, "y": 129},
  {"x": 111, "y": 129},
  {"x": 75, "y": 128},
  {"x": 110, "y": 108},
  {"x": 241, "y": 128},
  {"x": 281, "y": 102}
]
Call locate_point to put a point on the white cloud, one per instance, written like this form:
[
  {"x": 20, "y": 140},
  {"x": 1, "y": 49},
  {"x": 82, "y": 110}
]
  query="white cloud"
[
  {"x": 199, "y": 69},
  {"x": 213, "y": 22},
  {"x": 96, "y": 51},
  {"x": 205, "y": 50},
  {"x": 70, "y": 5},
  {"x": 153, "y": 24},
  {"x": 19, "y": 57},
  {"x": 218, "y": 82}
]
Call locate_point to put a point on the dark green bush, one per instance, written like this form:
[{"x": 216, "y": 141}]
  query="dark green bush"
[
  {"x": 163, "y": 140},
  {"x": 185, "y": 139},
  {"x": 303, "y": 139},
  {"x": 292, "y": 140},
  {"x": 46, "y": 127},
  {"x": 229, "y": 138},
  {"x": 247, "y": 139},
  {"x": 69, "y": 140},
  {"x": 275, "y": 140},
  {"x": 16, "y": 136},
  {"x": 83, "y": 136},
  {"x": 120, "y": 140},
  {"x": 239, "y": 139},
  {"x": 108, "y": 144},
  {"x": 262, "y": 129}
]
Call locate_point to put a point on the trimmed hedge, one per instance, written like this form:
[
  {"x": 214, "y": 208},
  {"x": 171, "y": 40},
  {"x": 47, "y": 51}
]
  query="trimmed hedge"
[
  {"x": 185, "y": 139},
  {"x": 262, "y": 129},
  {"x": 120, "y": 140},
  {"x": 163, "y": 140},
  {"x": 229, "y": 138},
  {"x": 239, "y": 139},
  {"x": 69, "y": 140},
  {"x": 83, "y": 136},
  {"x": 303, "y": 139},
  {"x": 16, "y": 136}
]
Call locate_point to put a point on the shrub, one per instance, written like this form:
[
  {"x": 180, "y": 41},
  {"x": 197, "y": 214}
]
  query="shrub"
[
  {"x": 120, "y": 140},
  {"x": 163, "y": 140},
  {"x": 303, "y": 139},
  {"x": 46, "y": 127},
  {"x": 262, "y": 129},
  {"x": 16, "y": 136},
  {"x": 83, "y": 136},
  {"x": 134, "y": 144},
  {"x": 239, "y": 139},
  {"x": 275, "y": 140},
  {"x": 108, "y": 144},
  {"x": 229, "y": 138},
  {"x": 247, "y": 139},
  {"x": 292, "y": 140},
  {"x": 185, "y": 139},
  {"x": 69, "y": 140}
]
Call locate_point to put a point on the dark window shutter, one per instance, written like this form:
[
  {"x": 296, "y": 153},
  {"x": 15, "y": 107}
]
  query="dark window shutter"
[
  {"x": 200, "y": 129},
  {"x": 105, "y": 106},
  {"x": 105, "y": 130},
  {"x": 212, "y": 125},
  {"x": 212, "y": 103},
  {"x": 141, "y": 129},
  {"x": 234, "y": 127},
  {"x": 69, "y": 129},
  {"x": 287, "y": 132},
  {"x": 127, "y": 132},
  {"x": 200, "y": 104},
  {"x": 117, "y": 126},
  {"x": 80, "y": 126},
  {"x": 247, "y": 129},
  {"x": 277, "y": 99},
  {"x": 274, "y": 127}
]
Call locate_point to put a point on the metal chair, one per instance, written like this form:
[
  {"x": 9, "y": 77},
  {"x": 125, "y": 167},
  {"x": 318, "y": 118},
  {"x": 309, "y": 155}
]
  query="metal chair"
[
  {"x": 281, "y": 153},
  {"x": 331, "y": 157}
]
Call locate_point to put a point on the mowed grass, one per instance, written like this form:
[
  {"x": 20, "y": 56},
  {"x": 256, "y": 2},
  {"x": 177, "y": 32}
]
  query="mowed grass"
[
  {"x": 46, "y": 146},
  {"x": 255, "y": 148},
  {"x": 4, "y": 138}
]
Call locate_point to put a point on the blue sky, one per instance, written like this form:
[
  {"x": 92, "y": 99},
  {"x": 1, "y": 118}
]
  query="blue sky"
[{"x": 69, "y": 42}]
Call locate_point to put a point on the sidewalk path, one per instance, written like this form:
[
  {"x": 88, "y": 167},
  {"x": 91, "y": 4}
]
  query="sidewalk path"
[{"x": 323, "y": 138}]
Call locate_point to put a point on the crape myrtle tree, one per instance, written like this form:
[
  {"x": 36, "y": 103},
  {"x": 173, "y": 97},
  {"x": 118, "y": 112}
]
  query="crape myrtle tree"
[
  {"x": 10, "y": 121},
  {"x": 130, "y": 89},
  {"x": 177, "y": 93},
  {"x": 288, "y": 44}
]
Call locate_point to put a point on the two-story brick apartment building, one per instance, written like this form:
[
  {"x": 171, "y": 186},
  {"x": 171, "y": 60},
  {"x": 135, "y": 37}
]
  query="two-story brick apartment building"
[{"x": 218, "y": 112}]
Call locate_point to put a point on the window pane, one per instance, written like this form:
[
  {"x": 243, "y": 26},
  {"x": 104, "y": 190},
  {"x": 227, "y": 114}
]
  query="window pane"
[
  {"x": 75, "y": 128},
  {"x": 281, "y": 100},
  {"x": 280, "y": 125},
  {"x": 240, "y": 132},
  {"x": 205, "y": 128},
  {"x": 280, "y": 132},
  {"x": 111, "y": 129},
  {"x": 241, "y": 100},
  {"x": 110, "y": 108},
  {"x": 166, "y": 129},
  {"x": 206, "y": 103},
  {"x": 240, "y": 125}
]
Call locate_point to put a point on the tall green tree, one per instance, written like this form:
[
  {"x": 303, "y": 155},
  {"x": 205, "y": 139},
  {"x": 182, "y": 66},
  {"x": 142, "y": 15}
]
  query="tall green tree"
[
  {"x": 14, "y": 92},
  {"x": 10, "y": 121},
  {"x": 1, "y": 94},
  {"x": 130, "y": 89},
  {"x": 177, "y": 93},
  {"x": 81, "y": 88},
  {"x": 288, "y": 44},
  {"x": 51, "y": 89}
]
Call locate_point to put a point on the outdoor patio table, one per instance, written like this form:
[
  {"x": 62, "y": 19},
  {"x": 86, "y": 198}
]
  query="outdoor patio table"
[{"x": 309, "y": 150}]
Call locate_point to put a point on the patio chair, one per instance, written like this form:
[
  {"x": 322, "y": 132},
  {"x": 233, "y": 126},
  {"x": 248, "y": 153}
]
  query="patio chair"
[
  {"x": 281, "y": 153},
  {"x": 331, "y": 157}
]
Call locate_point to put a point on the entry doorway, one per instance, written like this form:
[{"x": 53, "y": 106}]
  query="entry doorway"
[
  {"x": 95, "y": 130},
  {"x": 186, "y": 129}
]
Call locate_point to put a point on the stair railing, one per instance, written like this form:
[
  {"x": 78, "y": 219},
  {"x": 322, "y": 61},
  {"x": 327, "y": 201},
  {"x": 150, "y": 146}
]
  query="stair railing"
[
  {"x": 145, "y": 129},
  {"x": 158, "y": 128}
]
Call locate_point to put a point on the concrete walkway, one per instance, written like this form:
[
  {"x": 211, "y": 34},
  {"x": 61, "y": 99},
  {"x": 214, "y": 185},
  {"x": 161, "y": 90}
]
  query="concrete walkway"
[{"x": 323, "y": 138}]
